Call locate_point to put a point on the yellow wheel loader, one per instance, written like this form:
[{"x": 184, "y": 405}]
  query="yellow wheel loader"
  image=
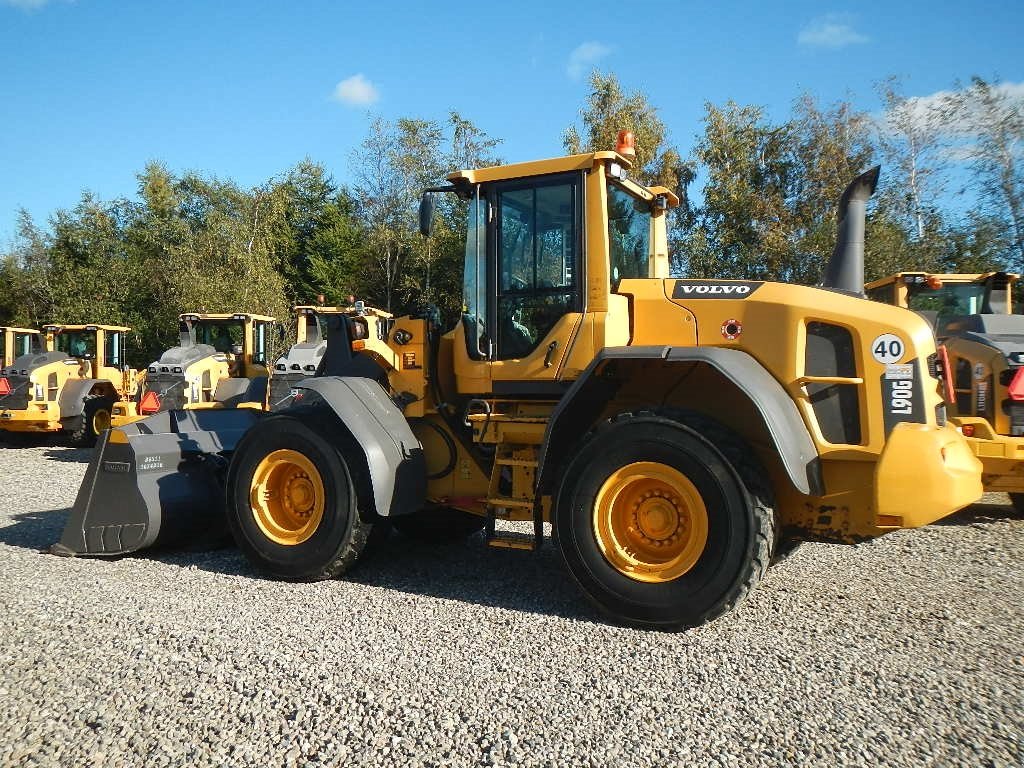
[
  {"x": 220, "y": 362},
  {"x": 16, "y": 342},
  {"x": 70, "y": 386},
  {"x": 675, "y": 433},
  {"x": 982, "y": 347}
]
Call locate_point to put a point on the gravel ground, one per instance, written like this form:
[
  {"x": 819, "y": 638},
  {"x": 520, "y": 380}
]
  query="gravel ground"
[{"x": 903, "y": 651}]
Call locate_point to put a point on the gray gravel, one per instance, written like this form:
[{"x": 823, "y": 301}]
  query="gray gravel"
[{"x": 902, "y": 651}]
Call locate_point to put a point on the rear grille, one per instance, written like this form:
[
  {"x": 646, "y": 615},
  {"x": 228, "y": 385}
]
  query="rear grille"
[
  {"x": 829, "y": 352},
  {"x": 18, "y": 399},
  {"x": 281, "y": 386},
  {"x": 171, "y": 389}
]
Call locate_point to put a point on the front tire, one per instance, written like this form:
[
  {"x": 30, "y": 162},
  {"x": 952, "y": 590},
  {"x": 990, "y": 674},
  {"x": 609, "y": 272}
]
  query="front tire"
[
  {"x": 292, "y": 504},
  {"x": 658, "y": 528},
  {"x": 96, "y": 416}
]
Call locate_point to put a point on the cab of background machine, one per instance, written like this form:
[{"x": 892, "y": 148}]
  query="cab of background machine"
[{"x": 16, "y": 342}]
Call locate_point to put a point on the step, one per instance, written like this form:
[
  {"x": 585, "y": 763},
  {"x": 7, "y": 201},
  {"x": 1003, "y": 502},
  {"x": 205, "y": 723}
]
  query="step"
[
  {"x": 506, "y": 462},
  {"x": 502, "y": 501},
  {"x": 507, "y": 540}
]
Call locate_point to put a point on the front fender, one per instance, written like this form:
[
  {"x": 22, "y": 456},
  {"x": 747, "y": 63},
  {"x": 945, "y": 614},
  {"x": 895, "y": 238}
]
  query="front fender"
[{"x": 393, "y": 455}]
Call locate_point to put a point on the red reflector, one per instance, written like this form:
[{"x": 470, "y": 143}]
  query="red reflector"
[
  {"x": 150, "y": 403},
  {"x": 5, "y": 387},
  {"x": 968, "y": 430},
  {"x": 1016, "y": 388},
  {"x": 947, "y": 375}
]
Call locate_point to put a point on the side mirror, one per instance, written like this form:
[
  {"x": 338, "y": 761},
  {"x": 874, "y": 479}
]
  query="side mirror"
[
  {"x": 426, "y": 214},
  {"x": 280, "y": 332}
]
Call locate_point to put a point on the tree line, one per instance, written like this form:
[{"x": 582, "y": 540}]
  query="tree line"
[{"x": 765, "y": 210}]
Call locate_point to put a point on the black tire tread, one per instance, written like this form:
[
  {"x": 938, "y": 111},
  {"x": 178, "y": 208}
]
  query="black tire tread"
[
  {"x": 732, "y": 449},
  {"x": 83, "y": 436}
]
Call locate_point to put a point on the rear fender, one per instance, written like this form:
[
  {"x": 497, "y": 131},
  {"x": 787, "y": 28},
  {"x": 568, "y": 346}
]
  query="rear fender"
[
  {"x": 587, "y": 398},
  {"x": 392, "y": 454},
  {"x": 74, "y": 392}
]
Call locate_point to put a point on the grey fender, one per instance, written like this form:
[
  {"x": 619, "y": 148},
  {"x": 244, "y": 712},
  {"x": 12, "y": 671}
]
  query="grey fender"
[
  {"x": 394, "y": 457},
  {"x": 73, "y": 394},
  {"x": 588, "y": 395}
]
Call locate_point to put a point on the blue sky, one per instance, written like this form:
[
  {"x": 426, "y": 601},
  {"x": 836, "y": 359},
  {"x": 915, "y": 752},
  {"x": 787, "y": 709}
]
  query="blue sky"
[{"x": 93, "y": 89}]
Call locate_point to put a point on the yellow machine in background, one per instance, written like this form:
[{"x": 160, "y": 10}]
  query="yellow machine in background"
[
  {"x": 675, "y": 433},
  {"x": 220, "y": 362},
  {"x": 16, "y": 342},
  {"x": 982, "y": 348},
  {"x": 305, "y": 356},
  {"x": 71, "y": 386}
]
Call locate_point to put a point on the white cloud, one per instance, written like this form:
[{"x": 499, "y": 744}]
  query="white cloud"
[
  {"x": 585, "y": 56},
  {"x": 25, "y": 5},
  {"x": 833, "y": 30},
  {"x": 356, "y": 90},
  {"x": 925, "y": 108}
]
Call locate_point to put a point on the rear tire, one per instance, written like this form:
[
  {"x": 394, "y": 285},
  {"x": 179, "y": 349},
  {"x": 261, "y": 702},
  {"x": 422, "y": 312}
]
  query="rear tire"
[
  {"x": 96, "y": 415},
  {"x": 658, "y": 528},
  {"x": 440, "y": 525},
  {"x": 292, "y": 504}
]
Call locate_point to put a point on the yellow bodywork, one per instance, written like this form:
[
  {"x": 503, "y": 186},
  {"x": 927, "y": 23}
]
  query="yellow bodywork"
[
  {"x": 891, "y": 476},
  {"x": 102, "y": 359},
  {"x": 979, "y": 373}
]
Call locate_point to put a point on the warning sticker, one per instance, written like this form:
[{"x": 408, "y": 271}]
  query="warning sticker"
[{"x": 899, "y": 371}]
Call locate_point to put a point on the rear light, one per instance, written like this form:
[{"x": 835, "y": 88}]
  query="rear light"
[
  {"x": 150, "y": 403},
  {"x": 1016, "y": 388},
  {"x": 5, "y": 387},
  {"x": 359, "y": 330},
  {"x": 946, "y": 371}
]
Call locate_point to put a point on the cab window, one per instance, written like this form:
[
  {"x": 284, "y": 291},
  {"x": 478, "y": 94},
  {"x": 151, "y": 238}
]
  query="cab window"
[
  {"x": 112, "y": 351},
  {"x": 77, "y": 343},
  {"x": 629, "y": 234}
]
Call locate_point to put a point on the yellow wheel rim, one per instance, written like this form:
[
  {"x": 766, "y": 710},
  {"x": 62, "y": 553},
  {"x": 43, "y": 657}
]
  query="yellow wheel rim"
[
  {"x": 287, "y": 497},
  {"x": 650, "y": 522},
  {"x": 101, "y": 421}
]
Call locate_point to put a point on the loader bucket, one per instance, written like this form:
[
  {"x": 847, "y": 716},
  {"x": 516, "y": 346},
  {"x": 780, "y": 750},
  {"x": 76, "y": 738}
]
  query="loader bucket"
[{"x": 156, "y": 482}]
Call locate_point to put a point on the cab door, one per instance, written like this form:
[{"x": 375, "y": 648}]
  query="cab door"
[{"x": 523, "y": 324}]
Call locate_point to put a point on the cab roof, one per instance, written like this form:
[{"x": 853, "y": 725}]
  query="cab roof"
[
  {"x": 320, "y": 310},
  {"x": 224, "y": 316},
  {"x": 15, "y": 329},
  {"x": 950, "y": 277},
  {"x": 582, "y": 162},
  {"x": 60, "y": 328}
]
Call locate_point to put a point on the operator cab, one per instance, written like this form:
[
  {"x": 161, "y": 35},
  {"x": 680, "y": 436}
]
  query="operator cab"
[{"x": 535, "y": 286}]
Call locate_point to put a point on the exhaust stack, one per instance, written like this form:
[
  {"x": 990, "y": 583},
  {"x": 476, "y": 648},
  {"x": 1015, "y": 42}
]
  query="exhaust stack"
[{"x": 845, "y": 269}]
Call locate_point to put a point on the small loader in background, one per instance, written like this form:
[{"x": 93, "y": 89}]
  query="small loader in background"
[
  {"x": 675, "y": 433},
  {"x": 71, "y": 386},
  {"x": 220, "y": 362},
  {"x": 14, "y": 343},
  {"x": 305, "y": 356},
  {"x": 982, "y": 348}
]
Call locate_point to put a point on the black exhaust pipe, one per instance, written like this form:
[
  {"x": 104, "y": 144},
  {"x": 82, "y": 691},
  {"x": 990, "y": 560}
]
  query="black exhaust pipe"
[{"x": 845, "y": 269}]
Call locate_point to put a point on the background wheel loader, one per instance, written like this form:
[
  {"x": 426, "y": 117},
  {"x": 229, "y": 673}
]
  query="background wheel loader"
[
  {"x": 982, "y": 345},
  {"x": 71, "y": 386},
  {"x": 305, "y": 356},
  {"x": 220, "y": 362},
  {"x": 16, "y": 342},
  {"x": 673, "y": 432}
]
